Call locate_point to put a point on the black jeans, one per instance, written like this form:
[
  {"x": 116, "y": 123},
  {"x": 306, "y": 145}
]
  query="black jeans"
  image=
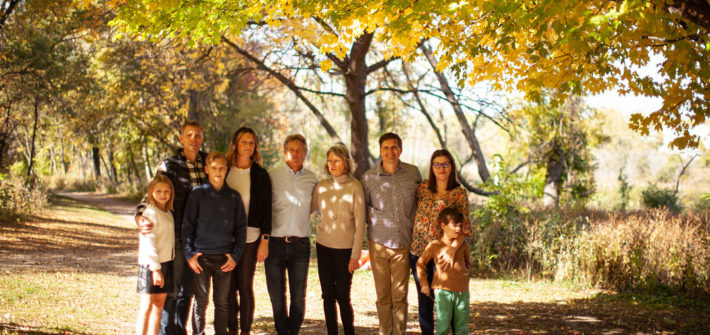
[
  {"x": 426, "y": 303},
  {"x": 243, "y": 282},
  {"x": 335, "y": 282},
  {"x": 290, "y": 256},
  {"x": 211, "y": 265}
]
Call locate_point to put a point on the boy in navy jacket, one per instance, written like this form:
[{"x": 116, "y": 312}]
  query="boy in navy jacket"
[{"x": 214, "y": 234}]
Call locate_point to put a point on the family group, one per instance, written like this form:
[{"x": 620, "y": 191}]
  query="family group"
[{"x": 208, "y": 219}]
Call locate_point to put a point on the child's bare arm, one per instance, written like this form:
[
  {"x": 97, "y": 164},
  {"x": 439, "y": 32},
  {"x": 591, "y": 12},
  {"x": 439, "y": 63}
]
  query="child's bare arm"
[
  {"x": 426, "y": 290},
  {"x": 421, "y": 270},
  {"x": 158, "y": 279}
]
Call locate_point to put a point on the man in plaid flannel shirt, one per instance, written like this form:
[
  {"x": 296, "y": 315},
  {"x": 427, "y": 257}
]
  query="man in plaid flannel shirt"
[{"x": 186, "y": 170}]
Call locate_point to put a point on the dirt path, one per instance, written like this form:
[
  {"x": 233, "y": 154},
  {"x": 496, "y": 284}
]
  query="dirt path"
[
  {"x": 74, "y": 237},
  {"x": 121, "y": 208}
]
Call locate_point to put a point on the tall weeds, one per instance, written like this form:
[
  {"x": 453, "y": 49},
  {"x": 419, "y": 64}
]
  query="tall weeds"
[
  {"x": 19, "y": 197},
  {"x": 645, "y": 251}
]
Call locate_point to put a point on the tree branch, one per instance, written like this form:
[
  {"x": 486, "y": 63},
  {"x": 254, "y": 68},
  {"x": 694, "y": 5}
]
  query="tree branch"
[
  {"x": 682, "y": 171},
  {"x": 290, "y": 84}
]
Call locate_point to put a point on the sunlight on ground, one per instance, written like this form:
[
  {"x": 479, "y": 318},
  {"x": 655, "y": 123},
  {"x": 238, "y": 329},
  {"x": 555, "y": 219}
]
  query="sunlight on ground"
[{"x": 72, "y": 268}]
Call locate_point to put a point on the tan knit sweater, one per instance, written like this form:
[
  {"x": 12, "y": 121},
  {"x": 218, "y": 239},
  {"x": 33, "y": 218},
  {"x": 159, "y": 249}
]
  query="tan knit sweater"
[
  {"x": 341, "y": 203},
  {"x": 455, "y": 279}
]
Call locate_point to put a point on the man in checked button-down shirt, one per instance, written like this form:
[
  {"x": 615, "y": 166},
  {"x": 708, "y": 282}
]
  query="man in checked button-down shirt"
[{"x": 390, "y": 193}]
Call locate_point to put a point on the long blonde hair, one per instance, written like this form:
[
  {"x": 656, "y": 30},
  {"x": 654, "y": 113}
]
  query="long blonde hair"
[{"x": 159, "y": 178}]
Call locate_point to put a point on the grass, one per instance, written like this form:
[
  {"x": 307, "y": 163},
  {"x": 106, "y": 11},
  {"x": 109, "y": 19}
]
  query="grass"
[{"x": 71, "y": 270}]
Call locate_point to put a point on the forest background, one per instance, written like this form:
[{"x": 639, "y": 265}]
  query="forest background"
[{"x": 93, "y": 93}]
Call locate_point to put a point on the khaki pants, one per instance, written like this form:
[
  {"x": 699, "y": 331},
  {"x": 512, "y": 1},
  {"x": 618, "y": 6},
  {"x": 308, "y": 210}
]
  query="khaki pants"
[{"x": 390, "y": 269}]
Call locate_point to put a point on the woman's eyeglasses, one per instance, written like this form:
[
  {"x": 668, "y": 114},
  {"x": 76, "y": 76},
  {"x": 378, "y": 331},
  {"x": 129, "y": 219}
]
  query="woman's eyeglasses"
[{"x": 444, "y": 165}]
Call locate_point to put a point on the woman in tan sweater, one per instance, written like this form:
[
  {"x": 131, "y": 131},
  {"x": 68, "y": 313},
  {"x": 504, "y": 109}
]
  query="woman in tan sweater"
[{"x": 341, "y": 202}]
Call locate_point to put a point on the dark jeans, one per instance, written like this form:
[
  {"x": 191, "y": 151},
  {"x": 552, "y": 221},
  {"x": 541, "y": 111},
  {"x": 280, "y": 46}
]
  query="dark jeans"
[
  {"x": 243, "y": 282},
  {"x": 173, "y": 320},
  {"x": 293, "y": 257},
  {"x": 426, "y": 304},
  {"x": 335, "y": 282},
  {"x": 211, "y": 265}
]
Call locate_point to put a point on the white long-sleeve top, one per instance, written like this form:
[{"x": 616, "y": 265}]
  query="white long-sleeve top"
[{"x": 158, "y": 246}]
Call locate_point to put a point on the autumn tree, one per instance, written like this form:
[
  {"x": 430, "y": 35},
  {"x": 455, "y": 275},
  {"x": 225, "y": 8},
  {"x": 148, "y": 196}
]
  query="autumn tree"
[
  {"x": 574, "y": 47},
  {"x": 41, "y": 64},
  {"x": 558, "y": 140}
]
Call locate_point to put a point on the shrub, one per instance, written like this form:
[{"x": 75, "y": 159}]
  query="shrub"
[
  {"x": 71, "y": 183},
  {"x": 703, "y": 204},
  {"x": 624, "y": 190},
  {"x": 659, "y": 251},
  {"x": 654, "y": 197},
  {"x": 19, "y": 197}
]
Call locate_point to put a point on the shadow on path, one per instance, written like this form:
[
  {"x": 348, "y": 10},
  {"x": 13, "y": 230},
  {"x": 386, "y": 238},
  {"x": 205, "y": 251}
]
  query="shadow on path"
[
  {"x": 13, "y": 328},
  {"x": 75, "y": 235}
]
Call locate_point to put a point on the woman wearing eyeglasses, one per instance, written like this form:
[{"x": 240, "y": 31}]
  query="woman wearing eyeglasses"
[{"x": 440, "y": 191}]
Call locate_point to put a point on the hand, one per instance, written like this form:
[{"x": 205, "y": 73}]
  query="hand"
[
  {"x": 145, "y": 226},
  {"x": 445, "y": 259},
  {"x": 158, "y": 278},
  {"x": 426, "y": 291},
  {"x": 262, "y": 252},
  {"x": 194, "y": 264},
  {"x": 353, "y": 265},
  {"x": 229, "y": 265}
]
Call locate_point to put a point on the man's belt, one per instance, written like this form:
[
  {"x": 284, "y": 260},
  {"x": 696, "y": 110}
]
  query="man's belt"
[{"x": 288, "y": 239}]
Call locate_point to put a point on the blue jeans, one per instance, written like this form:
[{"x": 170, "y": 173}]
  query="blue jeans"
[
  {"x": 211, "y": 272},
  {"x": 426, "y": 304},
  {"x": 293, "y": 257},
  {"x": 173, "y": 320}
]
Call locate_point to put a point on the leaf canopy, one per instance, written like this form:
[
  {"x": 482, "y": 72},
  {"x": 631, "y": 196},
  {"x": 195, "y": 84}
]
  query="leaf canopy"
[{"x": 571, "y": 46}]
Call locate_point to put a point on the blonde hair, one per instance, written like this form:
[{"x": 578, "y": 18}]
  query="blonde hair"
[
  {"x": 341, "y": 151},
  {"x": 215, "y": 156},
  {"x": 159, "y": 178},
  {"x": 191, "y": 123}
]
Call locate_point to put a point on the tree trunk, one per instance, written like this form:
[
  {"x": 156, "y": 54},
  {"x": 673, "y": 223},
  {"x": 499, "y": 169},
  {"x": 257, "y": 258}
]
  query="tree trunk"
[
  {"x": 146, "y": 162},
  {"x": 193, "y": 111},
  {"x": 82, "y": 161},
  {"x": 355, "y": 81},
  {"x": 6, "y": 132},
  {"x": 96, "y": 157},
  {"x": 466, "y": 129},
  {"x": 132, "y": 160},
  {"x": 112, "y": 166},
  {"x": 65, "y": 162},
  {"x": 553, "y": 178},
  {"x": 55, "y": 165},
  {"x": 7, "y": 9},
  {"x": 32, "y": 141}
]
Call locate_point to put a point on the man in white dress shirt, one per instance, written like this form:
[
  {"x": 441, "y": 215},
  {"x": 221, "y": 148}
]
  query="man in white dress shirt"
[{"x": 289, "y": 245}]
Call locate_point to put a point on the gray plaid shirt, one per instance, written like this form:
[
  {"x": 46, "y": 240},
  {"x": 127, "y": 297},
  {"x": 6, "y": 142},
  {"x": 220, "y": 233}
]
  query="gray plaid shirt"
[{"x": 391, "y": 203}]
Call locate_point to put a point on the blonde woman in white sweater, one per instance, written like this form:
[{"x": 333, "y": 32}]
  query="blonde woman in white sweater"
[
  {"x": 156, "y": 251},
  {"x": 341, "y": 203}
]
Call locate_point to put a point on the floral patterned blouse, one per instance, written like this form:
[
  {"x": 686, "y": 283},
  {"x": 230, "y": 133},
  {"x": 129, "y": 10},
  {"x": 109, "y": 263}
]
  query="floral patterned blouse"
[{"x": 425, "y": 228}]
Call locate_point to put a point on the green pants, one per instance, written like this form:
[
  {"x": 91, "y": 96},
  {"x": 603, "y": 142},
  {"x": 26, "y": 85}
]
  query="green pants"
[{"x": 450, "y": 304}]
